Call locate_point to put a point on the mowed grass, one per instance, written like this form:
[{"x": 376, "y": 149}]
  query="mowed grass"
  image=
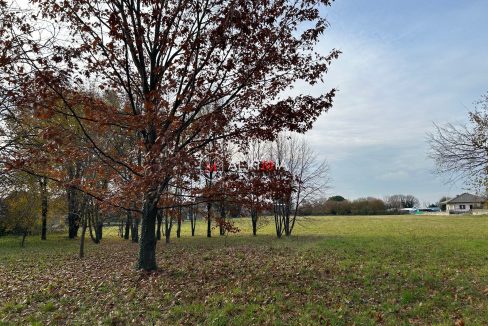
[{"x": 392, "y": 270}]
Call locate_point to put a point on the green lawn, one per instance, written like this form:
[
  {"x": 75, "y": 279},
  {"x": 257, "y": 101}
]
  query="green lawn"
[{"x": 334, "y": 270}]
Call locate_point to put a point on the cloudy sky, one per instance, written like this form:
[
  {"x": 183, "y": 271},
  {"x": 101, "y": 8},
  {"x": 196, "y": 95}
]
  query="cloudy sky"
[{"x": 405, "y": 65}]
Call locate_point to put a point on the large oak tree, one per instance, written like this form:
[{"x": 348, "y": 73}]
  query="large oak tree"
[{"x": 185, "y": 73}]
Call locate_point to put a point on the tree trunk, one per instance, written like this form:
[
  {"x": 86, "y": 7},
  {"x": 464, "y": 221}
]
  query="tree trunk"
[
  {"x": 74, "y": 217},
  {"x": 222, "y": 219},
  {"x": 91, "y": 226},
  {"x": 193, "y": 221},
  {"x": 178, "y": 227},
  {"x": 44, "y": 207},
  {"x": 147, "y": 247},
  {"x": 82, "y": 240},
  {"x": 24, "y": 235},
  {"x": 209, "y": 220},
  {"x": 135, "y": 230},
  {"x": 168, "y": 225},
  {"x": 128, "y": 225},
  {"x": 99, "y": 231},
  {"x": 254, "y": 221},
  {"x": 158, "y": 230},
  {"x": 279, "y": 214},
  {"x": 287, "y": 225}
]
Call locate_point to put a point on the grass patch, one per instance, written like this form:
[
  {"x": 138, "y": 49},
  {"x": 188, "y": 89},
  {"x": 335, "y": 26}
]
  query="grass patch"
[{"x": 333, "y": 270}]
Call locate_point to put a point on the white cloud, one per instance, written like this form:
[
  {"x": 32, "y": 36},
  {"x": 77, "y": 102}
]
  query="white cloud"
[{"x": 392, "y": 86}]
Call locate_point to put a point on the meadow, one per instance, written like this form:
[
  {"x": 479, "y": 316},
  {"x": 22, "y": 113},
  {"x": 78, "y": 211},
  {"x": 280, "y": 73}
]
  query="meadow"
[{"x": 387, "y": 270}]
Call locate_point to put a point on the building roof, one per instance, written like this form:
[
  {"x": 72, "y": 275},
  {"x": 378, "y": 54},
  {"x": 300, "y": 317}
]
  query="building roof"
[{"x": 466, "y": 198}]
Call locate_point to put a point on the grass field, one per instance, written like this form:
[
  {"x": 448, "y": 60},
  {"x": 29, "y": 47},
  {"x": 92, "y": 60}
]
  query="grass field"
[{"x": 394, "y": 270}]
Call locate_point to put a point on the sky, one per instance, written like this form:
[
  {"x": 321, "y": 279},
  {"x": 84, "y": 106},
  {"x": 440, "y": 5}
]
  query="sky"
[{"x": 405, "y": 65}]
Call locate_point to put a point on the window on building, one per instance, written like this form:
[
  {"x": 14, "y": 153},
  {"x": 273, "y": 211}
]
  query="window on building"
[{"x": 462, "y": 206}]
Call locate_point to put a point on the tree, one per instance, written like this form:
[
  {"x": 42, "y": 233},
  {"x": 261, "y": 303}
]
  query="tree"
[
  {"x": 461, "y": 151},
  {"x": 256, "y": 184},
  {"x": 441, "y": 204},
  {"x": 337, "y": 198},
  {"x": 309, "y": 178},
  {"x": 337, "y": 207},
  {"x": 401, "y": 201},
  {"x": 186, "y": 73},
  {"x": 22, "y": 211}
]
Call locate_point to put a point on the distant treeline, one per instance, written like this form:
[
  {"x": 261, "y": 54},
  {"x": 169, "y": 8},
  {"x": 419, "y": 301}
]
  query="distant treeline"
[{"x": 338, "y": 205}]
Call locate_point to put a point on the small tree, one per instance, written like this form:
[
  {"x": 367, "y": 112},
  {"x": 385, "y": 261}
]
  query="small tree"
[
  {"x": 309, "y": 177},
  {"x": 22, "y": 211},
  {"x": 442, "y": 203}
]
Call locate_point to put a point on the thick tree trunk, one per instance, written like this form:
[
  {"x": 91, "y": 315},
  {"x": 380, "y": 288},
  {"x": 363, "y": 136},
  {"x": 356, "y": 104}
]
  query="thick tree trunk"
[
  {"x": 147, "y": 247},
  {"x": 128, "y": 225},
  {"x": 73, "y": 225},
  {"x": 44, "y": 207}
]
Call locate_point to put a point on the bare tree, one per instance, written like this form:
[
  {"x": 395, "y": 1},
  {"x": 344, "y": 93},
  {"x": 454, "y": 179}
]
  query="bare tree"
[
  {"x": 309, "y": 178},
  {"x": 401, "y": 201},
  {"x": 461, "y": 151}
]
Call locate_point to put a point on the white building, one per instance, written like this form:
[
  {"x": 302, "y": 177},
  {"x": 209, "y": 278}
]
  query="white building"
[{"x": 464, "y": 203}]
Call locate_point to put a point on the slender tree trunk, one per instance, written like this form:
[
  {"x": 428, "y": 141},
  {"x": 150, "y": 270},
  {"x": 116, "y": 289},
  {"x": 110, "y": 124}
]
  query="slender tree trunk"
[
  {"x": 254, "y": 221},
  {"x": 168, "y": 225},
  {"x": 99, "y": 231},
  {"x": 82, "y": 240},
  {"x": 158, "y": 230},
  {"x": 178, "y": 227},
  {"x": 121, "y": 229},
  {"x": 135, "y": 230},
  {"x": 222, "y": 219},
  {"x": 193, "y": 221},
  {"x": 91, "y": 226},
  {"x": 24, "y": 235},
  {"x": 279, "y": 214},
  {"x": 147, "y": 247},
  {"x": 209, "y": 220},
  {"x": 128, "y": 225},
  {"x": 73, "y": 203},
  {"x": 287, "y": 224},
  {"x": 44, "y": 207}
]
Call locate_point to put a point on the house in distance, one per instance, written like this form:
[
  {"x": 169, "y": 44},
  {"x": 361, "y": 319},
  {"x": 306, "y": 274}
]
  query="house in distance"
[{"x": 464, "y": 203}]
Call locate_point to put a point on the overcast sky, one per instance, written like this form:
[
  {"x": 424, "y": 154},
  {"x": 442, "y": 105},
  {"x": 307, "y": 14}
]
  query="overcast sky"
[{"x": 405, "y": 65}]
